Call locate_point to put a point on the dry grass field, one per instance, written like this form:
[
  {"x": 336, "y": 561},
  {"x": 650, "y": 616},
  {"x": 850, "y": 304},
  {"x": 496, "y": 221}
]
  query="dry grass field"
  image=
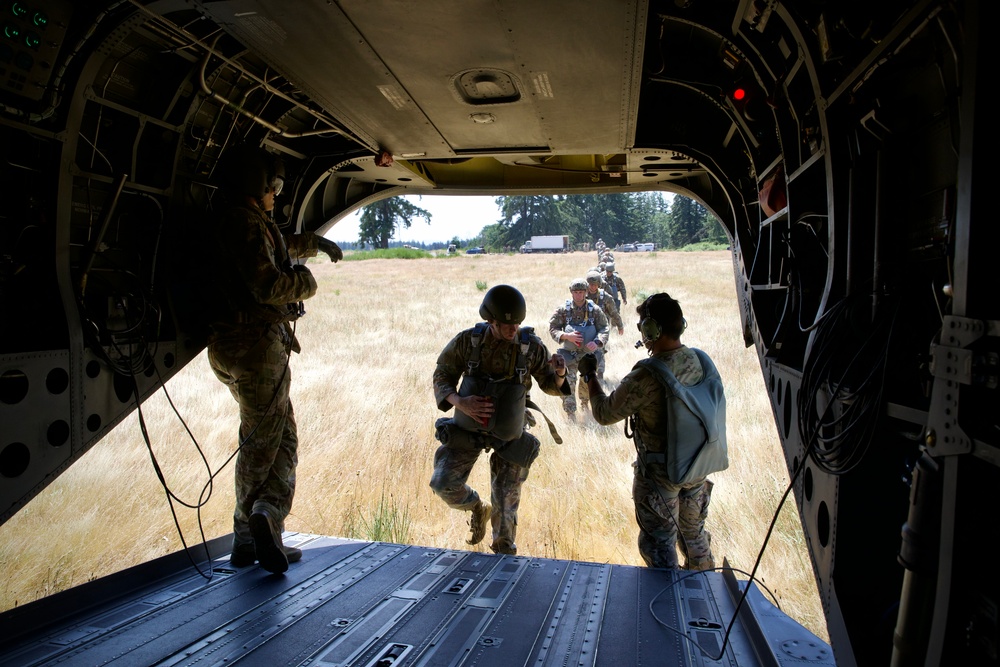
[{"x": 365, "y": 411}]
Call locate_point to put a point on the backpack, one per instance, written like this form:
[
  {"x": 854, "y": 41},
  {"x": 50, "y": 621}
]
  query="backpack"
[{"x": 696, "y": 418}]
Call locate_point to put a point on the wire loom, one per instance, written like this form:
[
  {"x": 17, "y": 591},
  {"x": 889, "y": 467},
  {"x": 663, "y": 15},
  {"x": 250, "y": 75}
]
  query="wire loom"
[{"x": 850, "y": 378}]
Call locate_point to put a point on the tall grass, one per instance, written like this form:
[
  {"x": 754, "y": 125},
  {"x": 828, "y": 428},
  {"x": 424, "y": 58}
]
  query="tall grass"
[{"x": 365, "y": 411}]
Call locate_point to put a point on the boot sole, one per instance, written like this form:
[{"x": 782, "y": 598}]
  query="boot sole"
[{"x": 269, "y": 553}]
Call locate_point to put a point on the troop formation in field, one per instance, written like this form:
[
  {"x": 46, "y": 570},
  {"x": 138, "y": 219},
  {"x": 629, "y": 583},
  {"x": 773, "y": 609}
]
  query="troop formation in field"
[{"x": 486, "y": 374}]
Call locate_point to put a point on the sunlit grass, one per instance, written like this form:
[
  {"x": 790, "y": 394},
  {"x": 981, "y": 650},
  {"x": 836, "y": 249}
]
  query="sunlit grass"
[{"x": 365, "y": 411}]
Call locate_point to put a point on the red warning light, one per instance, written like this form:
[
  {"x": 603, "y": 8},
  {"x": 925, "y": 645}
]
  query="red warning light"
[{"x": 739, "y": 94}]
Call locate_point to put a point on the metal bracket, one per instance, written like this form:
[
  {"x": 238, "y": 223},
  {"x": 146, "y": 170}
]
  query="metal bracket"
[{"x": 953, "y": 365}]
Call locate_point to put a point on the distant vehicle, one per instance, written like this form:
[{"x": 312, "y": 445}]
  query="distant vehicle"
[
  {"x": 451, "y": 249},
  {"x": 546, "y": 244},
  {"x": 474, "y": 251},
  {"x": 628, "y": 247},
  {"x": 645, "y": 247}
]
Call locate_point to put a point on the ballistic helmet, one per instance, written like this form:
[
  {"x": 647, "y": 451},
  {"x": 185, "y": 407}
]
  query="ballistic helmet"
[
  {"x": 610, "y": 266},
  {"x": 246, "y": 171},
  {"x": 503, "y": 304},
  {"x": 593, "y": 277},
  {"x": 578, "y": 283}
]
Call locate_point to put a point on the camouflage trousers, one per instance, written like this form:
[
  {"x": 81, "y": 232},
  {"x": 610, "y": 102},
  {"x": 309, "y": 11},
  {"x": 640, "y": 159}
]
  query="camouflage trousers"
[
  {"x": 665, "y": 510},
  {"x": 572, "y": 379},
  {"x": 452, "y": 467},
  {"x": 265, "y": 465}
]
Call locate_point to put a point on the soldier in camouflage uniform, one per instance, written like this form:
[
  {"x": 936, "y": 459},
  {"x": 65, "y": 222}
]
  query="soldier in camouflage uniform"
[
  {"x": 579, "y": 327},
  {"x": 249, "y": 345},
  {"x": 603, "y": 300},
  {"x": 615, "y": 286},
  {"x": 663, "y": 509},
  {"x": 499, "y": 345},
  {"x": 599, "y": 270}
]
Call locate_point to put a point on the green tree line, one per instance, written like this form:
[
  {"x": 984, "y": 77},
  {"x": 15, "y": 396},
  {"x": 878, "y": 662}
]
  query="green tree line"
[{"x": 615, "y": 218}]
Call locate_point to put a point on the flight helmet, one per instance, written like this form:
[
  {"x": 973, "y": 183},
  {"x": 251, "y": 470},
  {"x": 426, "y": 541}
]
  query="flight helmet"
[{"x": 248, "y": 171}]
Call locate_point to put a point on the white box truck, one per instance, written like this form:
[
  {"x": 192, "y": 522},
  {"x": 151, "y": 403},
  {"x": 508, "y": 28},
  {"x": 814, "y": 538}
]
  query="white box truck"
[{"x": 546, "y": 244}]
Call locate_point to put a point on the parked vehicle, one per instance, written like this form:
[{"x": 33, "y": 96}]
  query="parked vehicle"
[
  {"x": 474, "y": 251},
  {"x": 628, "y": 247},
  {"x": 546, "y": 244},
  {"x": 645, "y": 247}
]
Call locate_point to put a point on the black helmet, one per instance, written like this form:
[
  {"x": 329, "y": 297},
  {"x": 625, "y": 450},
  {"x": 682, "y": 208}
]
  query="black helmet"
[
  {"x": 247, "y": 171},
  {"x": 504, "y": 304}
]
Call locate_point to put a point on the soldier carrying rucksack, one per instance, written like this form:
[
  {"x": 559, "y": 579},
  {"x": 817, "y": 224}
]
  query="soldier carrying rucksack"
[{"x": 676, "y": 410}]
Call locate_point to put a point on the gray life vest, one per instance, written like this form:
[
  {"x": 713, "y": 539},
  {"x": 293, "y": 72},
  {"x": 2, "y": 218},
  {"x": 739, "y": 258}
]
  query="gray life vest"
[
  {"x": 696, "y": 424},
  {"x": 509, "y": 394},
  {"x": 587, "y": 327}
]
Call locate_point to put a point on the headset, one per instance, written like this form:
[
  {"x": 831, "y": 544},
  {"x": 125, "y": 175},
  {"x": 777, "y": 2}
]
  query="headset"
[{"x": 649, "y": 327}]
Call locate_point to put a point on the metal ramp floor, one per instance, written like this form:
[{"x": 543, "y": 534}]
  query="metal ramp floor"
[{"x": 374, "y": 604}]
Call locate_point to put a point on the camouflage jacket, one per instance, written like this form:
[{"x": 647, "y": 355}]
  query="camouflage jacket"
[
  {"x": 577, "y": 314},
  {"x": 256, "y": 277},
  {"x": 642, "y": 394},
  {"x": 611, "y": 281},
  {"x": 607, "y": 304},
  {"x": 497, "y": 359}
]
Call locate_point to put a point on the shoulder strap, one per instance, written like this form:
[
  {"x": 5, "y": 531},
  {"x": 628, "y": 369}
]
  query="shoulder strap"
[
  {"x": 521, "y": 365},
  {"x": 478, "y": 332}
]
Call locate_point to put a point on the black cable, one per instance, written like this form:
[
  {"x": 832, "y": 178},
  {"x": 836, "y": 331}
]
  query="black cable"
[
  {"x": 860, "y": 399},
  {"x": 752, "y": 576}
]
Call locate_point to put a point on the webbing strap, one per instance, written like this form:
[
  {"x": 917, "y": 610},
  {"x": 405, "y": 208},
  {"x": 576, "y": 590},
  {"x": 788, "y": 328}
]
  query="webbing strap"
[
  {"x": 520, "y": 363},
  {"x": 552, "y": 428}
]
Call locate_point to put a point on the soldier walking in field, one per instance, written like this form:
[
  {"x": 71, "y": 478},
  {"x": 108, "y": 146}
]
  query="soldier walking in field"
[
  {"x": 495, "y": 361},
  {"x": 579, "y": 326},
  {"x": 604, "y": 301},
  {"x": 260, "y": 291},
  {"x": 614, "y": 285}
]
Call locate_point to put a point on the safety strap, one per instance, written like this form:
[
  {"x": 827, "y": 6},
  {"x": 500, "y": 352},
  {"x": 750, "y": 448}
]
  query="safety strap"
[
  {"x": 552, "y": 427},
  {"x": 590, "y": 312},
  {"x": 520, "y": 366}
]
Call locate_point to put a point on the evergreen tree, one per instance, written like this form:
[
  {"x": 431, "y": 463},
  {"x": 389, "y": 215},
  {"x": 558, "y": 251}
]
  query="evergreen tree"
[
  {"x": 379, "y": 220},
  {"x": 686, "y": 222},
  {"x": 525, "y": 216},
  {"x": 645, "y": 209}
]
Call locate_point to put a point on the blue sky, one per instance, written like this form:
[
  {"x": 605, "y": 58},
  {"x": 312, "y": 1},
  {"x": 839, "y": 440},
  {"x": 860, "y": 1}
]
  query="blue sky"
[{"x": 451, "y": 216}]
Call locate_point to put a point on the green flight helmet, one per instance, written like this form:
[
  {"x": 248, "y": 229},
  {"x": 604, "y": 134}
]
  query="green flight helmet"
[{"x": 504, "y": 305}]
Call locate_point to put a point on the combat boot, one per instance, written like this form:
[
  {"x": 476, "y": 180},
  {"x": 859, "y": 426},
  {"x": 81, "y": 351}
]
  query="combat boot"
[
  {"x": 477, "y": 524},
  {"x": 504, "y": 546},
  {"x": 267, "y": 543},
  {"x": 244, "y": 555}
]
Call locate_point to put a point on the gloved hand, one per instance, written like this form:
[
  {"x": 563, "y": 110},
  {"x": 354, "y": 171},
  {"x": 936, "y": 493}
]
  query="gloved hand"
[
  {"x": 587, "y": 364},
  {"x": 331, "y": 249}
]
